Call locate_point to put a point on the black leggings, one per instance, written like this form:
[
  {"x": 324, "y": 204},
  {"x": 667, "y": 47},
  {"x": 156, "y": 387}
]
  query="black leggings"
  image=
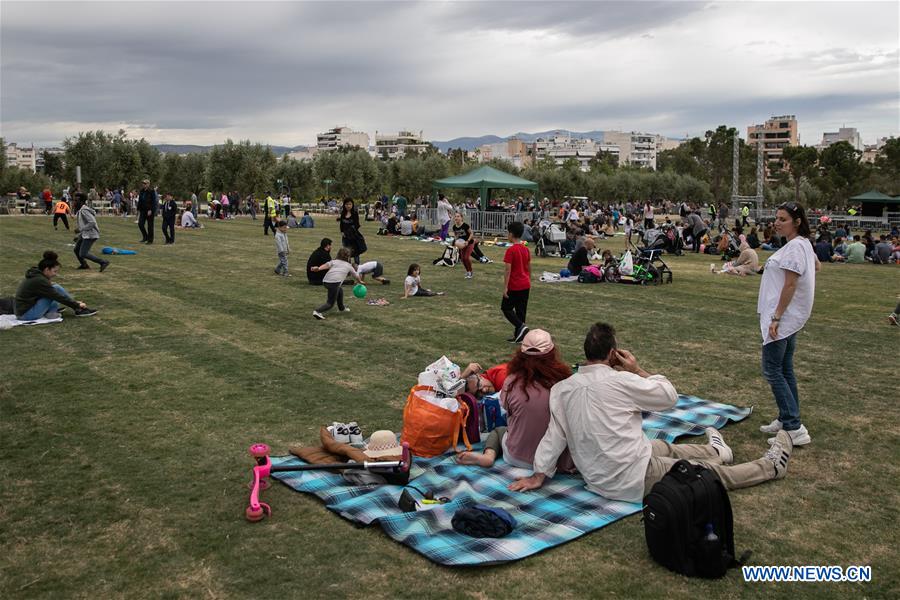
[
  {"x": 83, "y": 252},
  {"x": 168, "y": 229},
  {"x": 60, "y": 216},
  {"x": 335, "y": 294}
]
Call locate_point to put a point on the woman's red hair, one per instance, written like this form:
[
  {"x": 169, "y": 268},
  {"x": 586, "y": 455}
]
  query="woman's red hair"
[{"x": 542, "y": 370}]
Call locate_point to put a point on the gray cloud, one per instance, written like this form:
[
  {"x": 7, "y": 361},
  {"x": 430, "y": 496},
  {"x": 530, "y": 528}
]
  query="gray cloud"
[{"x": 278, "y": 72}]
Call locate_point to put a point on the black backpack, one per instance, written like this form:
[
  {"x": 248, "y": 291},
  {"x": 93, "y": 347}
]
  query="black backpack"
[{"x": 688, "y": 522}]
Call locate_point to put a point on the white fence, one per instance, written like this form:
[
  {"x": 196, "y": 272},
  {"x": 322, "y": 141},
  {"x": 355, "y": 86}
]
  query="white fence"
[{"x": 481, "y": 221}]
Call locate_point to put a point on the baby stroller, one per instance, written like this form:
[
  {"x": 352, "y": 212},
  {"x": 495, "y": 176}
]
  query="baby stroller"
[
  {"x": 665, "y": 237},
  {"x": 550, "y": 239},
  {"x": 448, "y": 258},
  {"x": 649, "y": 267}
]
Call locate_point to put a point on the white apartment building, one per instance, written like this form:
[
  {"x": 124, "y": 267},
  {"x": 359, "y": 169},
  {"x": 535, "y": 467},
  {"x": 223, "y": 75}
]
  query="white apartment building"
[
  {"x": 562, "y": 146},
  {"x": 635, "y": 148},
  {"x": 342, "y": 136},
  {"x": 871, "y": 151},
  {"x": 844, "y": 134},
  {"x": 393, "y": 146},
  {"x": 303, "y": 154},
  {"x": 23, "y": 157}
]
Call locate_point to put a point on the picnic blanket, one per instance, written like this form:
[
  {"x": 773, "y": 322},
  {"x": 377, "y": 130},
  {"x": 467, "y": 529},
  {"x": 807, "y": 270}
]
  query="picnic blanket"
[
  {"x": 548, "y": 277},
  {"x": 561, "y": 511},
  {"x": 10, "y": 321}
]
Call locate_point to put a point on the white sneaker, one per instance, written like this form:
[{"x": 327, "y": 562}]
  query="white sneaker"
[
  {"x": 799, "y": 437},
  {"x": 469, "y": 275},
  {"x": 345, "y": 309},
  {"x": 773, "y": 427},
  {"x": 340, "y": 432},
  {"x": 712, "y": 267},
  {"x": 717, "y": 442},
  {"x": 780, "y": 453},
  {"x": 318, "y": 315},
  {"x": 356, "y": 436}
]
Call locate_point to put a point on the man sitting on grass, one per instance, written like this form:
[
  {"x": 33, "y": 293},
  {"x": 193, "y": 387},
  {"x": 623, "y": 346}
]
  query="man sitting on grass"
[{"x": 597, "y": 413}]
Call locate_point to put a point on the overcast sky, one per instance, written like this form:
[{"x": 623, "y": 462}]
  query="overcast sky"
[{"x": 279, "y": 72}]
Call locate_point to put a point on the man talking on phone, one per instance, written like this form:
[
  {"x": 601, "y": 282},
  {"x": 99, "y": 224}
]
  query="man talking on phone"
[{"x": 596, "y": 413}]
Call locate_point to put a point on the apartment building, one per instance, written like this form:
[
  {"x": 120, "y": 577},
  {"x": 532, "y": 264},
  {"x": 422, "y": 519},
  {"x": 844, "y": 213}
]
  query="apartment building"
[
  {"x": 23, "y": 157},
  {"x": 774, "y": 134},
  {"x": 562, "y": 146},
  {"x": 635, "y": 148},
  {"x": 393, "y": 146},
  {"x": 843, "y": 134},
  {"x": 514, "y": 150},
  {"x": 342, "y": 137}
]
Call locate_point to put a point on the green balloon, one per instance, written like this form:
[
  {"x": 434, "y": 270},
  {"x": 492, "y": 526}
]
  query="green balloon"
[{"x": 359, "y": 290}]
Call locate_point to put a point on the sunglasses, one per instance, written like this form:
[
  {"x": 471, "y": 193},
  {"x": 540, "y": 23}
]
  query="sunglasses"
[{"x": 789, "y": 206}]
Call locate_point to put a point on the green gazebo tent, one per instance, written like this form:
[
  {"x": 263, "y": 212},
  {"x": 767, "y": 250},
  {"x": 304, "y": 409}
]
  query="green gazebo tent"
[
  {"x": 873, "y": 204},
  {"x": 485, "y": 179}
]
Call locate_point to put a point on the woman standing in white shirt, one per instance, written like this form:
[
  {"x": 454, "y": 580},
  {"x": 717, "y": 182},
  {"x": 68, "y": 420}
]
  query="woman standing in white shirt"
[{"x": 786, "y": 295}]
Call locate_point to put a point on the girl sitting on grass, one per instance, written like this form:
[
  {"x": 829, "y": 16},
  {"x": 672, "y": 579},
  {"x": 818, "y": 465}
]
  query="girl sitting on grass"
[
  {"x": 412, "y": 284},
  {"x": 338, "y": 269}
]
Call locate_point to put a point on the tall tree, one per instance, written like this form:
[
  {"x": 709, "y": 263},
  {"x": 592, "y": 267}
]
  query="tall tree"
[{"x": 802, "y": 162}]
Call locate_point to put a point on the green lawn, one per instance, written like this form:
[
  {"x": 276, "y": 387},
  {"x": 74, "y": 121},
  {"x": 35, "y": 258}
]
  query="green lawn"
[{"x": 124, "y": 435}]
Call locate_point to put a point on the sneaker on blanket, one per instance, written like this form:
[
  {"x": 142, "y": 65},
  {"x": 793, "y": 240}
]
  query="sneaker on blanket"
[
  {"x": 718, "y": 443},
  {"x": 53, "y": 314},
  {"x": 773, "y": 427},
  {"x": 339, "y": 432},
  {"x": 356, "y": 436}
]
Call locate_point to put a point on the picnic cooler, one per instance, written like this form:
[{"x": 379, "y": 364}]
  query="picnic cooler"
[{"x": 433, "y": 424}]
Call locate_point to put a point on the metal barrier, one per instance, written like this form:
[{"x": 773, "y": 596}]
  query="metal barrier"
[{"x": 481, "y": 221}]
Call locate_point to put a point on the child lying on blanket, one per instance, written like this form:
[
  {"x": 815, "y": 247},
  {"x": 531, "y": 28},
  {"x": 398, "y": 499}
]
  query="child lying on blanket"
[{"x": 525, "y": 395}]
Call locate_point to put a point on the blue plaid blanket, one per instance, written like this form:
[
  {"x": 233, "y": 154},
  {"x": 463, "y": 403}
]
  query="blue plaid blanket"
[{"x": 561, "y": 511}]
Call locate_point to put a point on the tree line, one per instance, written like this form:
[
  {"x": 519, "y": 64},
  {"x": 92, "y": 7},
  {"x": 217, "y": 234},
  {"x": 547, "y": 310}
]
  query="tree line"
[{"x": 699, "y": 170}]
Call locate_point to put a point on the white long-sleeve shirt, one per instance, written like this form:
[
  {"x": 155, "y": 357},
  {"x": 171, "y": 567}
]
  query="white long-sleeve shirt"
[{"x": 597, "y": 413}]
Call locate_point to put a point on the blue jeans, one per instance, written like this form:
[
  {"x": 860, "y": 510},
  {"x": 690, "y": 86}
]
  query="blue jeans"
[
  {"x": 778, "y": 369},
  {"x": 44, "y": 305}
]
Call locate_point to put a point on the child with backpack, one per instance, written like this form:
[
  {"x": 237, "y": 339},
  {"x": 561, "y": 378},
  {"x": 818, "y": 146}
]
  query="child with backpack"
[
  {"x": 283, "y": 248},
  {"x": 412, "y": 285},
  {"x": 338, "y": 269}
]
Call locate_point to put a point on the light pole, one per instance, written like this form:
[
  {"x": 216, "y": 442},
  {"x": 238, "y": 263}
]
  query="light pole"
[{"x": 327, "y": 183}]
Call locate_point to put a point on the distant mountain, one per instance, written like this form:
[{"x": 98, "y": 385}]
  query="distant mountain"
[
  {"x": 470, "y": 143},
  {"x": 191, "y": 149}
]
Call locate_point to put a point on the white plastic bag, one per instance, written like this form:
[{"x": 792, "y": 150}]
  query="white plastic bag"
[
  {"x": 443, "y": 376},
  {"x": 626, "y": 265}
]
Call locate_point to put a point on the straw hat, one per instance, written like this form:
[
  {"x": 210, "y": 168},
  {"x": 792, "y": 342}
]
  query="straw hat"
[{"x": 383, "y": 443}]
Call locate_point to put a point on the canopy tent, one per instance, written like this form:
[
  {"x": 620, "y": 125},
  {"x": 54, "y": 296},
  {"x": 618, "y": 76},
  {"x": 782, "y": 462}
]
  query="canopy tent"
[
  {"x": 873, "y": 204},
  {"x": 485, "y": 179}
]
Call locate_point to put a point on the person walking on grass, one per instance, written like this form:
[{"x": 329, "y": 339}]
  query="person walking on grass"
[
  {"x": 60, "y": 213},
  {"x": 516, "y": 282},
  {"x": 338, "y": 269},
  {"x": 444, "y": 210},
  {"x": 785, "y": 302},
  {"x": 351, "y": 237},
  {"x": 88, "y": 233},
  {"x": 283, "y": 248},
  {"x": 169, "y": 212},
  {"x": 38, "y": 297},
  {"x": 271, "y": 214},
  {"x": 146, "y": 208}
]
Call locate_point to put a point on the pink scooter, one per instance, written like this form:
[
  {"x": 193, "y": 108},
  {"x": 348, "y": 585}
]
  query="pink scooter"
[{"x": 396, "y": 472}]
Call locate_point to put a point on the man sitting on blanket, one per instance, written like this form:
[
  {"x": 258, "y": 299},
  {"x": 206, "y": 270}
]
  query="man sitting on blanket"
[{"x": 597, "y": 413}]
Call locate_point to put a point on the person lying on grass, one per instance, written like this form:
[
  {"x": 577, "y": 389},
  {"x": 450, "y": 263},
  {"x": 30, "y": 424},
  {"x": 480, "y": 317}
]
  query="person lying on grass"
[
  {"x": 596, "y": 414},
  {"x": 525, "y": 395}
]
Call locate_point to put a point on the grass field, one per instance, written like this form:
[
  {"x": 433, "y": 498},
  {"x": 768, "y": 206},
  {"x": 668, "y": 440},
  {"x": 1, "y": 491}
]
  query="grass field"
[{"x": 124, "y": 435}]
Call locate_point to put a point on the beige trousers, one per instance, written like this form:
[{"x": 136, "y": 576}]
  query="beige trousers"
[{"x": 664, "y": 455}]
